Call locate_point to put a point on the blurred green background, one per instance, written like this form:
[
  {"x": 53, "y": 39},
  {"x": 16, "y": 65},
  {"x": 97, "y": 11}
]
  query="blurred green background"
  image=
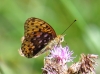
[{"x": 82, "y": 37}]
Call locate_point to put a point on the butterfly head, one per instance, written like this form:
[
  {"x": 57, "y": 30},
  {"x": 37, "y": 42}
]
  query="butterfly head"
[{"x": 60, "y": 38}]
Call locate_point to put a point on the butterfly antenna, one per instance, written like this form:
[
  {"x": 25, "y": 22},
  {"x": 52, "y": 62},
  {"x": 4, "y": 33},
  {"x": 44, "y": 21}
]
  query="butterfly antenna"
[{"x": 68, "y": 26}]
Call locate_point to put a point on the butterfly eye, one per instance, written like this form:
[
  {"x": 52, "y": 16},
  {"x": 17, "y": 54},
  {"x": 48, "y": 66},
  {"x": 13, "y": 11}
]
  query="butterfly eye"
[{"x": 62, "y": 39}]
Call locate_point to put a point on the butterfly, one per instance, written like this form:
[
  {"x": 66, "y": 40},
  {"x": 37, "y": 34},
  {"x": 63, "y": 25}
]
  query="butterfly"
[{"x": 39, "y": 37}]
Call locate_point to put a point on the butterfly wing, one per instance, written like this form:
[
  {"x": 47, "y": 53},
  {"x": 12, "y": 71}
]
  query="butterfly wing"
[{"x": 37, "y": 35}]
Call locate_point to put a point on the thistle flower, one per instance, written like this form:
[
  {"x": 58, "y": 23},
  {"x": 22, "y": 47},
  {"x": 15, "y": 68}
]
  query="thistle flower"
[
  {"x": 55, "y": 63},
  {"x": 62, "y": 55}
]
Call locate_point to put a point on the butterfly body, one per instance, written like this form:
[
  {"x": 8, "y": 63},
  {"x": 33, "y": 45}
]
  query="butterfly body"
[{"x": 39, "y": 37}]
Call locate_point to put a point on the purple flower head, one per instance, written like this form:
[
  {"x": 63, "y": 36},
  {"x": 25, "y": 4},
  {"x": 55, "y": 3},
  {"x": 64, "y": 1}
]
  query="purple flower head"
[{"x": 62, "y": 55}]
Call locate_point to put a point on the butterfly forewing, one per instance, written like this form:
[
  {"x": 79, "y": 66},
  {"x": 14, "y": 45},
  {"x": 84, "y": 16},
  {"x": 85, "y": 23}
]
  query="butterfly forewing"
[{"x": 37, "y": 35}]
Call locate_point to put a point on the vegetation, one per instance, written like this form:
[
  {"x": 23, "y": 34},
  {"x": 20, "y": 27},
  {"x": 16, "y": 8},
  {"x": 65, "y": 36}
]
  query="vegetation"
[{"x": 82, "y": 37}]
